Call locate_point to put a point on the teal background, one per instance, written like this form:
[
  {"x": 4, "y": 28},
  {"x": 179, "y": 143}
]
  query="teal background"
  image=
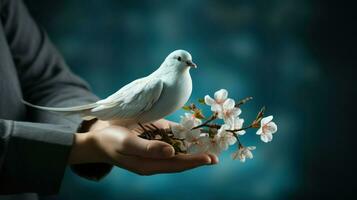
[{"x": 290, "y": 55}]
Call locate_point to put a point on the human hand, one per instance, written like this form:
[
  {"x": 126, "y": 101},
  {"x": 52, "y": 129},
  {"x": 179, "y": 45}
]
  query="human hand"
[{"x": 122, "y": 147}]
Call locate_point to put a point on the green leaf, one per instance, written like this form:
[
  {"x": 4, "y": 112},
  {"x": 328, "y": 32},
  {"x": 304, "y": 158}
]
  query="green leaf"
[
  {"x": 201, "y": 101},
  {"x": 188, "y": 108}
]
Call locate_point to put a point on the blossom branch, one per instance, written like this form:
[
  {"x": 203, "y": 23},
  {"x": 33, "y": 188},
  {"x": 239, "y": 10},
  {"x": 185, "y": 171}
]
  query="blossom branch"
[
  {"x": 206, "y": 123},
  {"x": 192, "y": 135},
  {"x": 238, "y": 140},
  {"x": 240, "y": 129}
]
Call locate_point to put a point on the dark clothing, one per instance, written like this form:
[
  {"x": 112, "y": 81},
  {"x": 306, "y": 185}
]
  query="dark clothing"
[{"x": 33, "y": 154}]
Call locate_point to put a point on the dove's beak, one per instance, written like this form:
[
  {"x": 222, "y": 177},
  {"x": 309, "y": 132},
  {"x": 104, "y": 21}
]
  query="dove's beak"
[{"x": 191, "y": 64}]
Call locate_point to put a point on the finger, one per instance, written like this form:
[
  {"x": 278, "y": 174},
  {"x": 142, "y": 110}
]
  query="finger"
[
  {"x": 214, "y": 158},
  {"x": 134, "y": 145},
  {"x": 147, "y": 166},
  {"x": 163, "y": 123}
]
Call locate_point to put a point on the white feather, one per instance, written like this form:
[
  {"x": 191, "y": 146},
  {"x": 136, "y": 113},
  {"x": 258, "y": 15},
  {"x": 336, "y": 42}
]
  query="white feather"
[{"x": 67, "y": 109}]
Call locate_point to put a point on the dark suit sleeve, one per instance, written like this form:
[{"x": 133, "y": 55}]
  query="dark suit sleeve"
[{"x": 33, "y": 155}]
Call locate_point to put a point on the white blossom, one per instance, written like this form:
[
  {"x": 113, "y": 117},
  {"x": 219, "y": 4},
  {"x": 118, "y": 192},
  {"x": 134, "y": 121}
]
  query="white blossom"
[
  {"x": 213, "y": 146},
  {"x": 198, "y": 145},
  {"x": 183, "y": 130},
  {"x": 229, "y": 112},
  {"x": 225, "y": 138},
  {"x": 219, "y": 98},
  {"x": 243, "y": 153},
  {"x": 267, "y": 129},
  {"x": 222, "y": 105},
  {"x": 207, "y": 139},
  {"x": 235, "y": 124}
]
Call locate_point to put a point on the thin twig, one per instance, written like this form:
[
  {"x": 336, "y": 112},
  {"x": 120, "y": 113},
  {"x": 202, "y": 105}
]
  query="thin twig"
[
  {"x": 241, "y": 129},
  {"x": 243, "y": 101},
  {"x": 239, "y": 143},
  {"x": 154, "y": 126},
  {"x": 212, "y": 118},
  {"x": 144, "y": 129}
]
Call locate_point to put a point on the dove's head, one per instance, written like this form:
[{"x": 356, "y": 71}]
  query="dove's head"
[{"x": 179, "y": 60}]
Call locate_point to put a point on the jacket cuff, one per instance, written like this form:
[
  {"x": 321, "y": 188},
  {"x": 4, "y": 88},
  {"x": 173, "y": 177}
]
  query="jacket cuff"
[{"x": 36, "y": 157}]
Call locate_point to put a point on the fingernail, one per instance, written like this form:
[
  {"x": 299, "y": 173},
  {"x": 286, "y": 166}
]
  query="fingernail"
[
  {"x": 214, "y": 159},
  {"x": 167, "y": 152},
  {"x": 208, "y": 161}
]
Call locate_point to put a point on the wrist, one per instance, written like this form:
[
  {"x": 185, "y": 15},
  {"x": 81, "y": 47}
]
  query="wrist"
[
  {"x": 78, "y": 150},
  {"x": 85, "y": 149}
]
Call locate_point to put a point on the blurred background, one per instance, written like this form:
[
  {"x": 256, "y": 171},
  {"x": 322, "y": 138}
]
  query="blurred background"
[{"x": 297, "y": 57}]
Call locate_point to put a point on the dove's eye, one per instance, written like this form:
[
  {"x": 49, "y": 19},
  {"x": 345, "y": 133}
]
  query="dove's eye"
[{"x": 179, "y": 58}]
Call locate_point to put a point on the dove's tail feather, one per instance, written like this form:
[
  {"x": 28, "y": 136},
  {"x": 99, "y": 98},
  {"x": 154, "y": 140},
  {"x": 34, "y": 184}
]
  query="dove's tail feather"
[{"x": 67, "y": 109}]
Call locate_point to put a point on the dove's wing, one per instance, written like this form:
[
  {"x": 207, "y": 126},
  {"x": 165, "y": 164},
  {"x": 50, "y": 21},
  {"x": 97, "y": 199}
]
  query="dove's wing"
[{"x": 131, "y": 100}]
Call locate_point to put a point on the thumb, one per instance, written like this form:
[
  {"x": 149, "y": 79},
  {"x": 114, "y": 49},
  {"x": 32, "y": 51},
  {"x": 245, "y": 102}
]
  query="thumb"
[{"x": 134, "y": 145}]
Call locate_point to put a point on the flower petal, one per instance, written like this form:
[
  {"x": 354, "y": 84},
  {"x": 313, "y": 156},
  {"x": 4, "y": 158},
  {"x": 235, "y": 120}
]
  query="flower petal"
[
  {"x": 204, "y": 139},
  {"x": 216, "y": 108},
  {"x": 195, "y": 133},
  {"x": 223, "y": 145},
  {"x": 238, "y": 123},
  {"x": 220, "y": 115},
  {"x": 266, "y": 120},
  {"x": 178, "y": 131},
  {"x": 260, "y": 131},
  {"x": 194, "y": 149},
  {"x": 236, "y": 112},
  {"x": 229, "y": 104},
  {"x": 188, "y": 123},
  {"x": 272, "y": 127},
  {"x": 248, "y": 154},
  {"x": 214, "y": 148},
  {"x": 270, "y": 137},
  {"x": 221, "y": 95},
  {"x": 264, "y": 138},
  {"x": 186, "y": 118},
  {"x": 232, "y": 140},
  {"x": 267, "y": 137},
  {"x": 230, "y": 122},
  {"x": 197, "y": 122},
  {"x": 251, "y": 147},
  {"x": 242, "y": 157},
  {"x": 223, "y": 129},
  {"x": 235, "y": 155},
  {"x": 241, "y": 132},
  {"x": 209, "y": 101}
]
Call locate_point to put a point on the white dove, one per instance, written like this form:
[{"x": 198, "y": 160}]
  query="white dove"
[{"x": 144, "y": 100}]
